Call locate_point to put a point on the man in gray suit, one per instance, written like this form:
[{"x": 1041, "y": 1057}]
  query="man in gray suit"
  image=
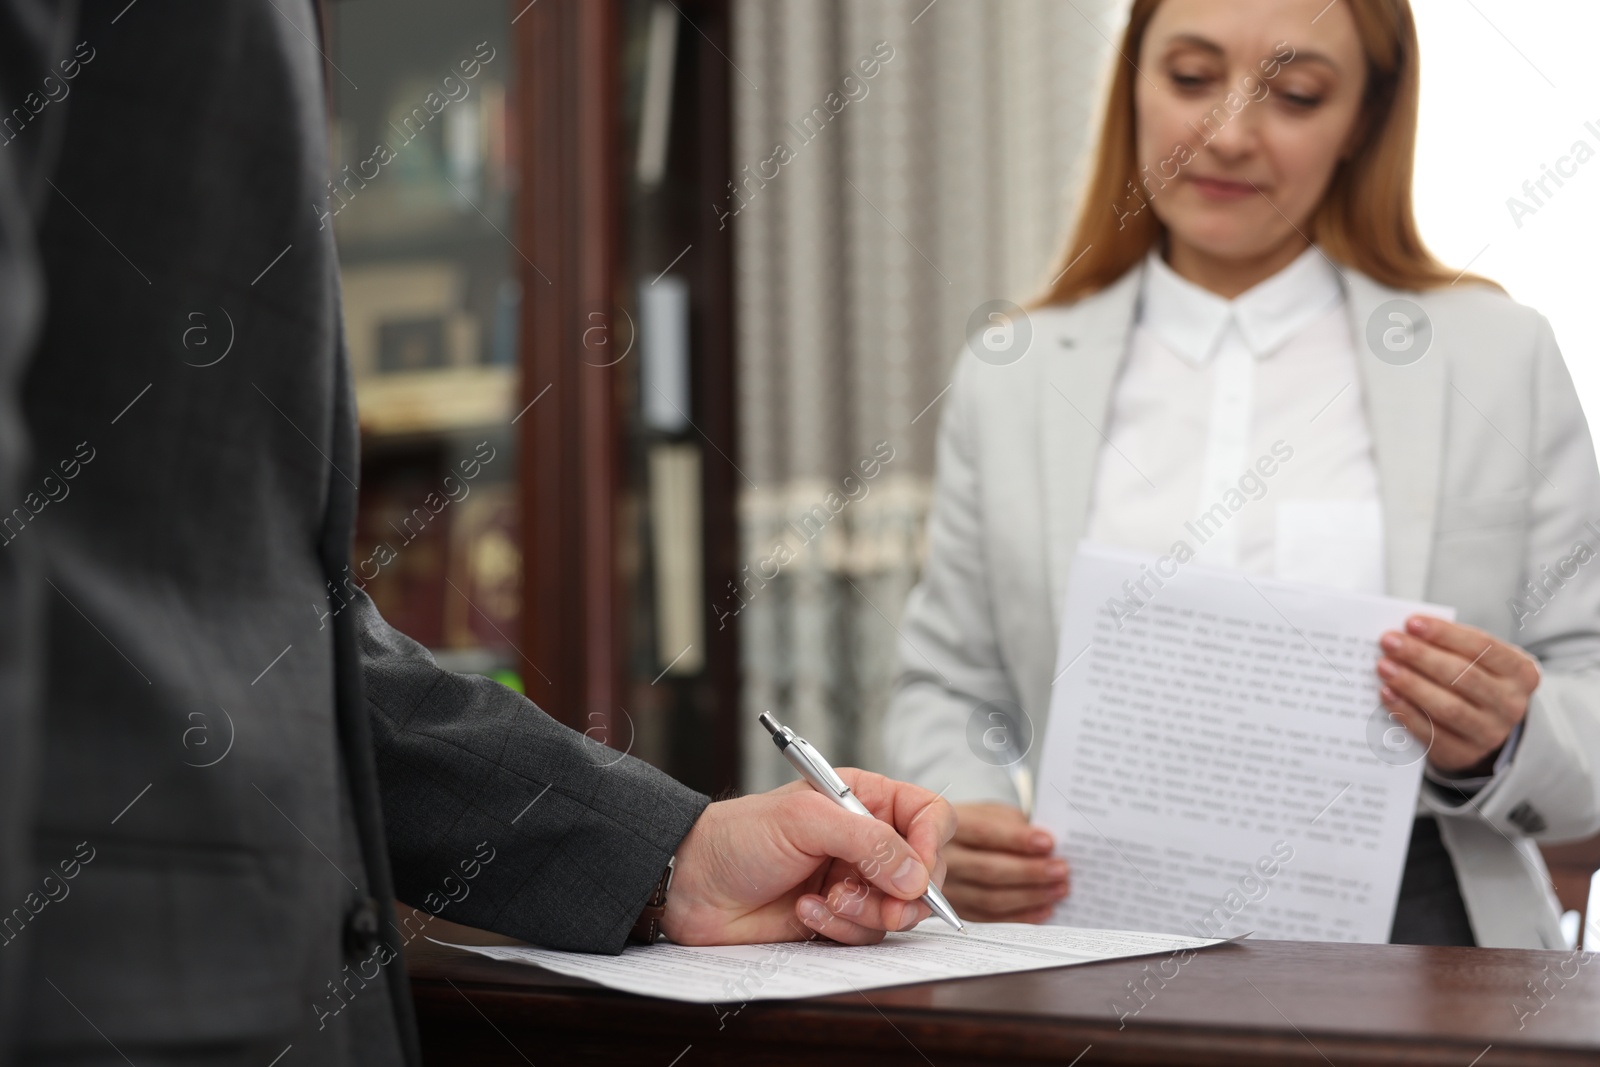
[{"x": 218, "y": 765}]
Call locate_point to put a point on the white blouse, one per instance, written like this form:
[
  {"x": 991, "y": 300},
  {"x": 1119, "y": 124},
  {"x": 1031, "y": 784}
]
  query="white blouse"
[{"x": 1237, "y": 427}]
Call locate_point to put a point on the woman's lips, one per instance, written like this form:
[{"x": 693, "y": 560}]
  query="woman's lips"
[{"x": 1213, "y": 189}]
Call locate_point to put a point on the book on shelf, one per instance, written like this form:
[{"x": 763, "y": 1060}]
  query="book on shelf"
[
  {"x": 483, "y": 603},
  {"x": 436, "y": 401},
  {"x": 400, "y": 554}
]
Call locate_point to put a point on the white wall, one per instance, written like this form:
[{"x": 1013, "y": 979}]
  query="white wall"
[{"x": 1508, "y": 87}]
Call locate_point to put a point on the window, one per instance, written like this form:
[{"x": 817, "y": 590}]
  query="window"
[{"x": 1508, "y": 161}]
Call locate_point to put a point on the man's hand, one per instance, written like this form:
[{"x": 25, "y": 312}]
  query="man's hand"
[
  {"x": 790, "y": 864},
  {"x": 1457, "y": 689},
  {"x": 1001, "y": 868}
]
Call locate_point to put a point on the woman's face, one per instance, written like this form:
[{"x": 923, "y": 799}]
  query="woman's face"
[{"x": 1244, "y": 108}]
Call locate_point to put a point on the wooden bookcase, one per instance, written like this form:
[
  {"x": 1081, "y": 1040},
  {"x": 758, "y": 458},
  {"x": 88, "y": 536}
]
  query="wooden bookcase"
[{"x": 541, "y": 245}]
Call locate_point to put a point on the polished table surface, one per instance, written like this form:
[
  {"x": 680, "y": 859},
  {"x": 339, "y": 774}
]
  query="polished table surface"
[{"x": 1256, "y": 1002}]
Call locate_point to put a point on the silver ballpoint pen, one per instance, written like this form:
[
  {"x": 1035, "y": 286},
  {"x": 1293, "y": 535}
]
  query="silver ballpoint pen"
[{"x": 824, "y": 779}]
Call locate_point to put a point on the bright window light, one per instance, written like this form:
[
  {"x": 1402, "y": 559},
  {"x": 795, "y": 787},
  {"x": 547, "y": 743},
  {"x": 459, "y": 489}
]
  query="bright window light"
[{"x": 1508, "y": 162}]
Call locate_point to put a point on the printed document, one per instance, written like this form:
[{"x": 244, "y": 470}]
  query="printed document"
[
  {"x": 1217, "y": 760},
  {"x": 741, "y": 973}
]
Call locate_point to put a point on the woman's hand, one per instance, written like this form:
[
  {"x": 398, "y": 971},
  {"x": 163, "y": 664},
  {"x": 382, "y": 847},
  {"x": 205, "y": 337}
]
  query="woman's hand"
[
  {"x": 1001, "y": 868},
  {"x": 791, "y": 864},
  {"x": 1456, "y": 689}
]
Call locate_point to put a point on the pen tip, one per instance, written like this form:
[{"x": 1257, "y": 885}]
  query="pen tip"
[{"x": 769, "y": 722}]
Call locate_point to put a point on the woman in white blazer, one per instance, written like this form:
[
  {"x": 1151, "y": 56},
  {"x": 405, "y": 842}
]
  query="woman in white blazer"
[{"x": 1245, "y": 269}]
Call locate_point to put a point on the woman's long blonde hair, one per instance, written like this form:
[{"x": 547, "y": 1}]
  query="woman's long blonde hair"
[{"x": 1365, "y": 220}]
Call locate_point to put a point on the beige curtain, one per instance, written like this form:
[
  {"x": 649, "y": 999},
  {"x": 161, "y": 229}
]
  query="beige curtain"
[{"x": 891, "y": 211}]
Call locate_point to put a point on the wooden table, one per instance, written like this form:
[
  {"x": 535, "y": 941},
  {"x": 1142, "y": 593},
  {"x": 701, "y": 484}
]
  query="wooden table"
[{"x": 1260, "y": 1002}]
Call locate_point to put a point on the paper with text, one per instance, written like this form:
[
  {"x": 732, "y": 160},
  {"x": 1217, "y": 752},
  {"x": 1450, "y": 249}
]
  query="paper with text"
[
  {"x": 1217, "y": 759},
  {"x": 737, "y": 974}
]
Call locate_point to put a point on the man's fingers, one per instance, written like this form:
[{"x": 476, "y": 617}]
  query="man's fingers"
[
  {"x": 819, "y": 828},
  {"x": 1002, "y": 869},
  {"x": 815, "y": 913},
  {"x": 909, "y": 808},
  {"x": 930, "y": 829},
  {"x": 998, "y": 827},
  {"x": 923, "y": 818},
  {"x": 865, "y": 906}
]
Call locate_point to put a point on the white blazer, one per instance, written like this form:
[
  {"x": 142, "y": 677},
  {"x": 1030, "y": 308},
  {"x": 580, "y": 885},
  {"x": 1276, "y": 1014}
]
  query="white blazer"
[{"x": 1487, "y": 475}]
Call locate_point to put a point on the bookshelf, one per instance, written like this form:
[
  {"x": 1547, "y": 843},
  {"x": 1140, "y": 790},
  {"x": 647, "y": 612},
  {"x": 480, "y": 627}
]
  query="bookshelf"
[{"x": 513, "y": 287}]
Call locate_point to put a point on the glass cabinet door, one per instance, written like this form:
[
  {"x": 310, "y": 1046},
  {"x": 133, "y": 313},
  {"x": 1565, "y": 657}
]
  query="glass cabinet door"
[
  {"x": 539, "y": 318},
  {"x": 421, "y": 202}
]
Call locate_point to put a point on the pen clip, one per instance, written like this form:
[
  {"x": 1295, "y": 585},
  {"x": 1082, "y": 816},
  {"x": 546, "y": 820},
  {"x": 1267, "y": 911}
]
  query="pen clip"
[
  {"x": 826, "y": 776},
  {"x": 806, "y": 759}
]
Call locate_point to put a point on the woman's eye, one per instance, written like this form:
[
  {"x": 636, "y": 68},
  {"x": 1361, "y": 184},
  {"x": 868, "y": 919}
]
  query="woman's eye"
[
  {"x": 1188, "y": 81},
  {"x": 1302, "y": 101}
]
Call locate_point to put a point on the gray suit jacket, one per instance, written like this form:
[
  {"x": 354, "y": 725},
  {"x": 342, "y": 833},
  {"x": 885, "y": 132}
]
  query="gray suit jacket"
[
  {"x": 1487, "y": 475},
  {"x": 218, "y": 766}
]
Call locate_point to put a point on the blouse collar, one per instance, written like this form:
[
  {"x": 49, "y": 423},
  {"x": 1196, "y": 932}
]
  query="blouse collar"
[{"x": 1191, "y": 321}]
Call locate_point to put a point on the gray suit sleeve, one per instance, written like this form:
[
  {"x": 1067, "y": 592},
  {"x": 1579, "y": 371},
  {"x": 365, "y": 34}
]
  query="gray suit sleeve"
[{"x": 498, "y": 816}]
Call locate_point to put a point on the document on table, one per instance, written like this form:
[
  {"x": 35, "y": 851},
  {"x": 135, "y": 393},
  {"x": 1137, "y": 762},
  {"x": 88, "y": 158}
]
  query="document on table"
[
  {"x": 736, "y": 974},
  {"x": 1217, "y": 759}
]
